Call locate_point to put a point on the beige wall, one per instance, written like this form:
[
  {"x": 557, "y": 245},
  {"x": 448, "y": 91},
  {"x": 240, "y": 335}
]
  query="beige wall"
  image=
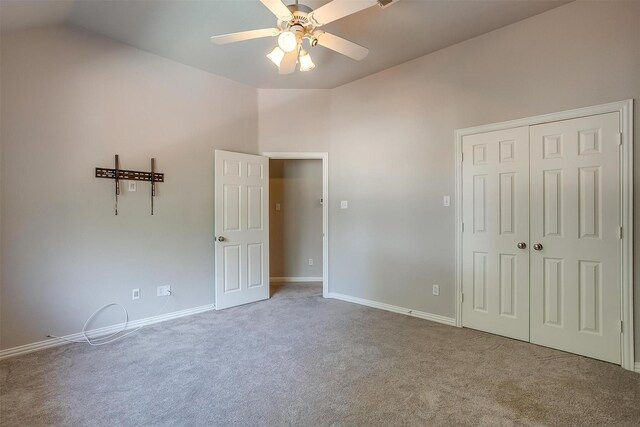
[
  {"x": 391, "y": 145},
  {"x": 294, "y": 119},
  {"x": 402, "y": 121},
  {"x": 295, "y": 233},
  {"x": 70, "y": 101}
]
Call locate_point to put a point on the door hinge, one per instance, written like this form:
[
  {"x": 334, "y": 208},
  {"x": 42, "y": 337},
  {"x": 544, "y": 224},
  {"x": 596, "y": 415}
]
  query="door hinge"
[
  {"x": 620, "y": 232},
  {"x": 461, "y": 297},
  {"x": 619, "y": 136},
  {"x": 620, "y": 326},
  {"x": 463, "y": 227},
  {"x": 461, "y": 157}
]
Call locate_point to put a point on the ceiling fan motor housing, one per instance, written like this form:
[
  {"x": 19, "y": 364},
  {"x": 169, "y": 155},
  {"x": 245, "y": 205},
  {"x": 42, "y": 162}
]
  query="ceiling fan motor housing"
[
  {"x": 385, "y": 3},
  {"x": 300, "y": 24},
  {"x": 300, "y": 14}
]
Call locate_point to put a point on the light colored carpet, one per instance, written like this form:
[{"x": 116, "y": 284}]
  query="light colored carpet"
[{"x": 299, "y": 359}]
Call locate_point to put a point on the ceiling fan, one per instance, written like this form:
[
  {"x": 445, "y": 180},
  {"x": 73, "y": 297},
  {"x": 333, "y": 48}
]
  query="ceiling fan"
[{"x": 296, "y": 23}]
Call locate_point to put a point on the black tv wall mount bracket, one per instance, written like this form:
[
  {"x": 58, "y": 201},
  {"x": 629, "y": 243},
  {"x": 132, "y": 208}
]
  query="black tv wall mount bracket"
[{"x": 117, "y": 174}]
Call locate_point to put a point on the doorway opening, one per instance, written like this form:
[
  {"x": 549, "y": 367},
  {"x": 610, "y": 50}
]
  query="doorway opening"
[{"x": 298, "y": 250}]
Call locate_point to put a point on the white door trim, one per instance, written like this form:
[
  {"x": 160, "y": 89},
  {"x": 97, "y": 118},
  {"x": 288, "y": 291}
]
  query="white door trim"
[
  {"x": 625, "y": 108},
  {"x": 324, "y": 156}
]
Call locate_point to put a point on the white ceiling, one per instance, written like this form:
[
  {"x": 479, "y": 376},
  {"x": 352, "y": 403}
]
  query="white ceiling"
[{"x": 180, "y": 30}]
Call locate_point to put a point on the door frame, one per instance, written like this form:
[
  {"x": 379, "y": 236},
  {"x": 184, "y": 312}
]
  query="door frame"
[
  {"x": 625, "y": 108},
  {"x": 324, "y": 157}
]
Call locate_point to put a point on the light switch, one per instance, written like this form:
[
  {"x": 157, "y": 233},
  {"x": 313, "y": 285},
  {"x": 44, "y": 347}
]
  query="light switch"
[
  {"x": 132, "y": 186},
  {"x": 277, "y": 206},
  {"x": 344, "y": 204},
  {"x": 446, "y": 201}
]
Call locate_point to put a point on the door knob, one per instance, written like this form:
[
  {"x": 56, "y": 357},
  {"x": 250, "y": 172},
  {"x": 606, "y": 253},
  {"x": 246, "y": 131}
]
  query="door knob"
[
  {"x": 537, "y": 246},
  {"x": 522, "y": 245},
  {"x": 220, "y": 239}
]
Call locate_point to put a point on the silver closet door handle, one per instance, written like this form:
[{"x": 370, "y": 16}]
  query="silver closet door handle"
[
  {"x": 522, "y": 245},
  {"x": 537, "y": 246},
  {"x": 220, "y": 239}
]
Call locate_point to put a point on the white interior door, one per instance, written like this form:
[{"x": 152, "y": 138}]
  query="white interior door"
[
  {"x": 241, "y": 228},
  {"x": 495, "y": 277},
  {"x": 575, "y": 217}
]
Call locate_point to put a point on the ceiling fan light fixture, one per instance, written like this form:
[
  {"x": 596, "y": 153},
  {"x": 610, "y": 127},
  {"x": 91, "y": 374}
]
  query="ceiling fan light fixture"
[
  {"x": 306, "y": 64},
  {"x": 287, "y": 41},
  {"x": 276, "y": 56},
  {"x": 297, "y": 23}
]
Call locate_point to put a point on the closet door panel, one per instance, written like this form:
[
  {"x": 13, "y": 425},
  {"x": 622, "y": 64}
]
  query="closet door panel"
[
  {"x": 575, "y": 218},
  {"x": 496, "y": 218}
]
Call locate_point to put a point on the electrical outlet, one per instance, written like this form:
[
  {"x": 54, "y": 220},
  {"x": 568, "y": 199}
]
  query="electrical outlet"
[
  {"x": 132, "y": 186},
  {"x": 436, "y": 290},
  {"x": 344, "y": 204},
  {"x": 446, "y": 201},
  {"x": 135, "y": 293},
  {"x": 310, "y": 261},
  {"x": 164, "y": 291},
  {"x": 277, "y": 206}
]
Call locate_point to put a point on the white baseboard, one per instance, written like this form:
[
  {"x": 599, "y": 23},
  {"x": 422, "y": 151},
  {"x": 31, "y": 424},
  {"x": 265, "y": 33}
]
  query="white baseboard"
[
  {"x": 94, "y": 333},
  {"x": 637, "y": 367},
  {"x": 415, "y": 313},
  {"x": 296, "y": 279}
]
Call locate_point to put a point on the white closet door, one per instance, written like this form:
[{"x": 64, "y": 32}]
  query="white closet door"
[
  {"x": 575, "y": 217},
  {"x": 242, "y": 228},
  {"x": 495, "y": 277}
]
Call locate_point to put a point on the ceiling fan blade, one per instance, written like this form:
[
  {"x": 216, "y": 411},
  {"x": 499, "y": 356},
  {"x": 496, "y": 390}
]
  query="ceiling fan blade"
[
  {"x": 245, "y": 35},
  {"x": 288, "y": 64},
  {"x": 278, "y": 8},
  {"x": 343, "y": 46},
  {"x": 338, "y": 9}
]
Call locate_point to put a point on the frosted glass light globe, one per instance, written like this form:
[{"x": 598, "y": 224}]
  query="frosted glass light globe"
[
  {"x": 306, "y": 64},
  {"x": 276, "y": 56},
  {"x": 287, "y": 41}
]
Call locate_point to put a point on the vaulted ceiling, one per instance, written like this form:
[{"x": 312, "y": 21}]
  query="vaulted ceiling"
[{"x": 180, "y": 30}]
